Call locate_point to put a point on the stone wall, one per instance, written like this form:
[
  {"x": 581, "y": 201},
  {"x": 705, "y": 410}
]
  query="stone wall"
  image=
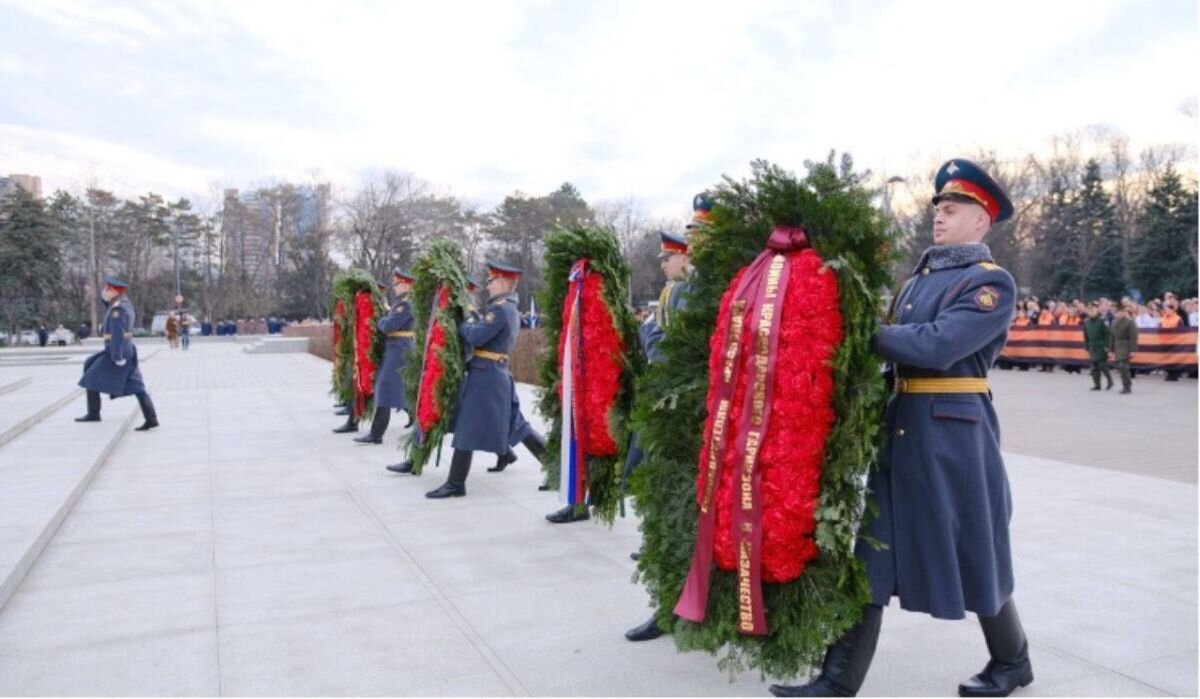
[{"x": 524, "y": 362}]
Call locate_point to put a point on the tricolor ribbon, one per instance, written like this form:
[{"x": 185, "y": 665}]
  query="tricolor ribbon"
[
  {"x": 572, "y": 463},
  {"x": 759, "y": 298}
]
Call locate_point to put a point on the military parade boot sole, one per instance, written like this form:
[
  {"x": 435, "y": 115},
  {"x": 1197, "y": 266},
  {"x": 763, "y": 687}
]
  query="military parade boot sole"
[
  {"x": 998, "y": 679},
  {"x": 93, "y": 408},
  {"x": 502, "y": 462},
  {"x": 645, "y": 632},
  {"x": 846, "y": 662},
  {"x": 447, "y": 490},
  {"x": 543, "y": 487},
  {"x": 368, "y": 439},
  {"x": 1008, "y": 667},
  {"x": 402, "y": 467},
  {"x": 456, "y": 481},
  {"x": 346, "y": 428},
  {"x": 568, "y": 514},
  {"x": 149, "y": 414}
]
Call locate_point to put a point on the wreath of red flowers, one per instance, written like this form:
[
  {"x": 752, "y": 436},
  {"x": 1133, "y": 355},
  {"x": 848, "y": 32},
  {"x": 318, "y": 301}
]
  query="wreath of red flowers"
[
  {"x": 793, "y": 448},
  {"x": 428, "y": 410},
  {"x": 598, "y": 369},
  {"x": 364, "y": 366}
]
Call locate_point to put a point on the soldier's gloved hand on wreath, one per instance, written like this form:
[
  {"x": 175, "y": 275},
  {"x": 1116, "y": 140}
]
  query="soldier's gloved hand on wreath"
[{"x": 120, "y": 362}]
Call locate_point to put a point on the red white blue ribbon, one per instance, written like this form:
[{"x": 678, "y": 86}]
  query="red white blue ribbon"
[{"x": 572, "y": 463}]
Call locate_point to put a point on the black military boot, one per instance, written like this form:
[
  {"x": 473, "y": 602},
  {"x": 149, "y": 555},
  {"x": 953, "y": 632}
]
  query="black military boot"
[
  {"x": 502, "y": 461},
  {"x": 351, "y": 425},
  {"x": 93, "y": 408},
  {"x": 456, "y": 483},
  {"x": 846, "y": 662},
  {"x": 148, "y": 413},
  {"x": 645, "y": 632},
  {"x": 1009, "y": 668},
  {"x": 379, "y": 425},
  {"x": 535, "y": 443},
  {"x": 405, "y": 466},
  {"x": 570, "y": 513}
]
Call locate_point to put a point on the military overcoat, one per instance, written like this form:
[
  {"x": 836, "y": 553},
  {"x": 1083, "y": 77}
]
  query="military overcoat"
[
  {"x": 942, "y": 490},
  {"x": 483, "y": 417},
  {"x": 101, "y": 371},
  {"x": 389, "y": 381}
]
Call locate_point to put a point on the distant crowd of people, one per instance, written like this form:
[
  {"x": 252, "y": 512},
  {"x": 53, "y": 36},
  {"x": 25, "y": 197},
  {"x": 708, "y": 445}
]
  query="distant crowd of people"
[
  {"x": 1110, "y": 330},
  {"x": 1165, "y": 312}
]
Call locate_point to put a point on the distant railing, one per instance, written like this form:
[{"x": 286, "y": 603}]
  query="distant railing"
[{"x": 1158, "y": 348}]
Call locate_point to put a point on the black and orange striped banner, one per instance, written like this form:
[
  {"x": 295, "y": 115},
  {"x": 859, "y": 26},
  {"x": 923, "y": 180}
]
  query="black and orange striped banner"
[{"x": 1158, "y": 348}]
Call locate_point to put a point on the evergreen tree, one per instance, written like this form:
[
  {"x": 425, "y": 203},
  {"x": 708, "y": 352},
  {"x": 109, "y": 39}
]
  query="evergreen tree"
[
  {"x": 30, "y": 260},
  {"x": 1163, "y": 253},
  {"x": 1098, "y": 255},
  {"x": 520, "y": 223},
  {"x": 1055, "y": 237}
]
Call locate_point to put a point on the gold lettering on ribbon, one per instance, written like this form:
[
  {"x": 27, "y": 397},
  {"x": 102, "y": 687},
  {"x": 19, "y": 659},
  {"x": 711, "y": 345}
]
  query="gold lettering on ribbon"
[
  {"x": 735, "y": 337},
  {"x": 745, "y": 598},
  {"x": 714, "y": 454},
  {"x": 773, "y": 275},
  {"x": 762, "y": 350},
  {"x": 753, "y": 440}
]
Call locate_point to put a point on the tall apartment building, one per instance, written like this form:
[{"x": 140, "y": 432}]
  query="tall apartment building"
[
  {"x": 258, "y": 226},
  {"x": 29, "y": 183}
]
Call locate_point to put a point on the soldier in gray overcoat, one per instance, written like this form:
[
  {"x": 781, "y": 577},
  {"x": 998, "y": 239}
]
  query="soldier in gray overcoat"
[
  {"x": 397, "y": 327},
  {"x": 484, "y": 413},
  {"x": 114, "y": 370},
  {"x": 942, "y": 492}
]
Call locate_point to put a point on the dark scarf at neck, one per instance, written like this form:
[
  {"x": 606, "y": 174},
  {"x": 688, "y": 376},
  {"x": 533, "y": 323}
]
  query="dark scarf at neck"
[{"x": 938, "y": 257}]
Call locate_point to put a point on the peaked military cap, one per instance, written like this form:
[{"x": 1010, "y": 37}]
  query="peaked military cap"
[
  {"x": 472, "y": 284},
  {"x": 702, "y": 206},
  {"x": 110, "y": 280},
  {"x": 671, "y": 244},
  {"x": 503, "y": 271},
  {"x": 403, "y": 275},
  {"x": 963, "y": 180}
]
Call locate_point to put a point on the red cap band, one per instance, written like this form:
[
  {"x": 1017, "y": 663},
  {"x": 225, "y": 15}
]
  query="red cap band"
[{"x": 974, "y": 192}]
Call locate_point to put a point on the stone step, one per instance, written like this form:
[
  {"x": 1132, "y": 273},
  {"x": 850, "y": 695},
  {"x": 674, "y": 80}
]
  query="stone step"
[
  {"x": 15, "y": 385},
  {"x": 43, "y": 472},
  {"x": 22, "y": 409},
  {"x": 278, "y": 345}
]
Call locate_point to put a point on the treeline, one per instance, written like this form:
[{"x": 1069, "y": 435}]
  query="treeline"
[{"x": 1090, "y": 220}]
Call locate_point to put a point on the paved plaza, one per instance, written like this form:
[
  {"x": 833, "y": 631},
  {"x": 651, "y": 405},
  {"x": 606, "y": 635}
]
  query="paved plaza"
[{"x": 244, "y": 549}]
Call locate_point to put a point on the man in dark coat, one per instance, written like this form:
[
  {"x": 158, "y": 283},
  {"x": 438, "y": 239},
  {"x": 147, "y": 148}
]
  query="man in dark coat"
[
  {"x": 1097, "y": 340},
  {"x": 397, "y": 327},
  {"x": 1124, "y": 340},
  {"x": 483, "y": 415},
  {"x": 941, "y": 489},
  {"x": 114, "y": 370}
]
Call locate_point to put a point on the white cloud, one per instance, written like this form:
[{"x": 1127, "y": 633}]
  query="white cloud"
[{"x": 653, "y": 100}]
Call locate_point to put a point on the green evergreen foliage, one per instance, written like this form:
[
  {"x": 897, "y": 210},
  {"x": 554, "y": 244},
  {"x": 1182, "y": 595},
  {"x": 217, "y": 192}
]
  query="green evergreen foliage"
[
  {"x": 806, "y": 615},
  {"x": 1163, "y": 255},
  {"x": 30, "y": 261},
  {"x": 346, "y": 286},
  {"x": 600, "y": 247},
  {"x": 1056, "y": 237},
  {"x": 1102, "y": 270},
  {"x": 441, "y": 265}
]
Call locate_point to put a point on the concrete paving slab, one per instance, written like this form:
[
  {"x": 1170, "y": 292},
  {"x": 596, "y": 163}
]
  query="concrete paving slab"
[
  {"x": 136, "y": 522},
  {"x": 1174, "y": 674},
  {"x": 39, "y": 619},
  {"x": 169, "y": 665},
  {"x": 64, "y": 564},
  {"x": 364, "y": 652},
  {"x": 305, "y": 588}
]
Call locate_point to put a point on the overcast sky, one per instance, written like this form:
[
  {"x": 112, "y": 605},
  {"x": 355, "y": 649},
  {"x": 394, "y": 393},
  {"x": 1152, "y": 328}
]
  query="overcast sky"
[{"x": 653, "y": 100}]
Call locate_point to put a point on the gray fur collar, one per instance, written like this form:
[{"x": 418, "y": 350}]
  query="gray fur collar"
[{"x": 938, "y": 257}]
